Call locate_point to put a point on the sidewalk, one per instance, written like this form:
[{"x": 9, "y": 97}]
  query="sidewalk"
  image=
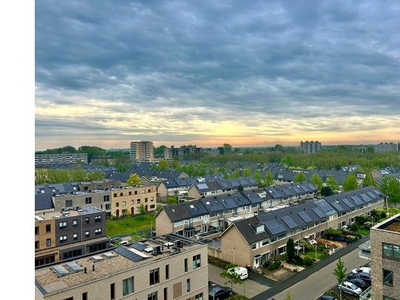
[{"x": 278, "y": 290}]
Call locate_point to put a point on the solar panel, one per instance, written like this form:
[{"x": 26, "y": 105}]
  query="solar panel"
[
  {"x": 306, "y": 218},
  {"x": 348, "y": 203},
  {"x": 319, "y": 212},
  {"x": 371, "y": 195},
  {"x": 289, "y": 222},
  {"x": 139, "y": 246},
  {"x": 337, "y": 206},
  {"x": 274, "y": 228},
  {"x": 366, "y": 198},
  {"x": 357, "y": 200},
  {"x": 74, "y": 266},
  {"x": 128, "y": 254},
  {"x": 60, "y": 270},
  {"x": 202, "y": 186},
  {"x": 324, "y": 206}
]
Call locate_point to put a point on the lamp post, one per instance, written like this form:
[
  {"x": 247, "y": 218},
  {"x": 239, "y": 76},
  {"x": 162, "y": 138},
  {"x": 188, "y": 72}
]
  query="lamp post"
[
  {"x": 213, "y": 292},
  {"x": 316, "y": 254}
]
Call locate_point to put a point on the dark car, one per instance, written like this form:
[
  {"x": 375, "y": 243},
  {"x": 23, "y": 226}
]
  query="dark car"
[
  {"x": 327, "y": 297},
  {"x": 218, "y": 292},
  {"x": 360, "y": 275},
  {"x": 359, "y": 282}
]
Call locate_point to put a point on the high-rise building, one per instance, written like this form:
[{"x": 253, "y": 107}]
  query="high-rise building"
[
  {"x": 142, "y": 151},
  {"x": 387, "y": 147},
  {"x": 308, "y": 147},
  {"x": 385, "y": 259}
]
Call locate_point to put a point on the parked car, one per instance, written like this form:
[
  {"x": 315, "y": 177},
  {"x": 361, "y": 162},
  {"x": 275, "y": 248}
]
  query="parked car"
[
  {"x": 362, "y": 269},
  {"x": 327, "y": 297},
  {"x": 361, "y": 275},
  {"x": 359, "y": 282},
  {"x": 218, "y": 292},
  {"x": 350, "y": 288},
  {"x": 240, "y": 271}
]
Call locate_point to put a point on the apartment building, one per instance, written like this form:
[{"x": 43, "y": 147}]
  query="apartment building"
[
  {"x": 142, "y": 151},
  {"x": 387, "y": 147},
  {"x": 65, "y": 158},
  {"x": 385, "y": 259},
  {"x": 129, "y": 199},
  {"x": 256, "y": 239},
  {"x": 68, "y": 234},
  {"x": 164, "y": 267},
  {"x": 308, "y": 147}
]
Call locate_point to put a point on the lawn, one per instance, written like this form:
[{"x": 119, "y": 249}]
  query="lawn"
[{"x": 129, "y": 225}]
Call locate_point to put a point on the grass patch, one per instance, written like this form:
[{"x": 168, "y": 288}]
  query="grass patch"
[{"x": 129, "y": 225}]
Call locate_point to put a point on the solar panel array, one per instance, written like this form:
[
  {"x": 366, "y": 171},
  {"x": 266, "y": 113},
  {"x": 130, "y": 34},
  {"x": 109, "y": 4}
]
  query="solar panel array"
[
  {"x": 337, "y": 206},
  {"x": 357, "y": 200},
  {"x": 128, "y": 254},
  {"x": 274, "y": 228},
  {"x": 325, "y": 207},
  {"x": 303, "y": 215},
  {"x": 366, "y": 198},
  {"x": 319, "y": 212},
  {"x": 202, "y": 186},
  {"x": 348, "y": 203},
  {"x": 139, "y": 246},
  {"x": 289, "y": 222}
]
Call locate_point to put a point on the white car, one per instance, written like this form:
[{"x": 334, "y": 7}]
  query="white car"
[
  {"x": 313, "y": 242},
  {"x": 350, "y": 288},
  {"x": 361, "y": 269},
  {"x": 240, "y": 271}
]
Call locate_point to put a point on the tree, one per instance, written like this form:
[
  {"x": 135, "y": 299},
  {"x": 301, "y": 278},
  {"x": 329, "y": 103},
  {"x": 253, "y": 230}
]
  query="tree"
[
  {"x": 332, "y": 183},
  {"x": 257, "y": 177},
  {"x": 300, "y": 177},
  {"x": 340, "y": 271},
  {"x": 391, "y": 187},
  {"x": 290, "y": 250},
  {"x": 133, "y": 179},
  {"x": 269, "y": 178},
  {"x": 350, "y": 182},
  {"x": 163, "y": 165},
  {"x": 368, "y": 180},
  {"x": 317, "y": 181},
  {"x": 235, "y": 174},
  {"x": 246, "y": 172},
  {"x": 326, "y": 191}
]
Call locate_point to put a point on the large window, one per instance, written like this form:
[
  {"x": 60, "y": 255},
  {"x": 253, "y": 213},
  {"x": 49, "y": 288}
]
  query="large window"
[
  {"x": 185, "y": 264},
  {"x": 196, "y": 261},
  {"x": 127, "y": 286},
  {"x": 199, "y": 297},
  {"x": 391, "y": 251},
  {"x": 152, "y": 296},
  {"x": 188, "y": 285},
  {"x": 167, "y": 272},
  {"x": 387, "y": 277},
  {"x": 154, "y": 276}
]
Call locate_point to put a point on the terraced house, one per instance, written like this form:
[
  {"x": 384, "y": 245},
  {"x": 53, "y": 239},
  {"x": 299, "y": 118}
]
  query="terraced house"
[{"x": 254, "y": 240}]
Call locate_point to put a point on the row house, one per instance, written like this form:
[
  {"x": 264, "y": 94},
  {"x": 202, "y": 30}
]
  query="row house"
[
  {"x": 174, "y": 187},
  {"x": 128, "y": 200},
  {"x": 254, "y": 240},
  {"x": 68, "y": 234},
  {"x": 291, "y": 193},
  {"x": 216, "y": 212}
]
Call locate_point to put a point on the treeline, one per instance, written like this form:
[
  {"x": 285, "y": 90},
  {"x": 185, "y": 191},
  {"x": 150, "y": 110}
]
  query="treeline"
[{"x": 75, "y": 174}]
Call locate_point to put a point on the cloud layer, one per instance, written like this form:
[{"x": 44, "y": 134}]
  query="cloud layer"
[{"x": 213, "y": 72}]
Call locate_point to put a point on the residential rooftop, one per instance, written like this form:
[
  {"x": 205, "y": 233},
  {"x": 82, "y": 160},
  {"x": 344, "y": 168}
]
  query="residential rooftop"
[
  {"x": 392, "y": 224},
  {"x": 66, "y": 213},
  {"x": 62, "y": 275}
]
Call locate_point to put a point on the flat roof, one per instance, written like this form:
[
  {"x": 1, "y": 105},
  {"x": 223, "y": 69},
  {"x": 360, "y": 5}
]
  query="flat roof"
[
  {"x": 63, "y": 275},
  {"x": 391, "y": 224},
  {"x": 67, "y": 213}
]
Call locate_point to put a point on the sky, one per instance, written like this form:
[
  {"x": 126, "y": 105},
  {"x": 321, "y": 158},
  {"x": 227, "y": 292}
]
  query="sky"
[{"x": 205, "y": 73}]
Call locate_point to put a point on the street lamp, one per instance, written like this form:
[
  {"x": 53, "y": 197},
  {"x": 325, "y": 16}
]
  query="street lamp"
[{"x": 213, "y": 292}]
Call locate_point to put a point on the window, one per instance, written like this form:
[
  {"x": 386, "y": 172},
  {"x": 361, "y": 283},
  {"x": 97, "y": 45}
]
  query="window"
[
  {"x": 37, "y": 230},
  {"x": 75, "y": 236},
  {"x": 165, "y": 293},
  {"x": 84, "y": 296},
  {"x": 62, "y": 225},
  {"x": 97, "y": 231},
  {"x": 121, "y": 194},
  {"x": 88, "y": 200},
  {"x": 135, "y": 192},
  {"x": 48, "y": 228},
  {"x": 154, "y": 276},
  {"x": 86, "y": 220},
  {"x": 196, "y": 261},
  {"x": 167, "y": 272},
  {"x": 138, "y": 201},
  {"x": 152, "y": 199},
  {"x": 115, "y": 194},
  {"x": 63, "y": 239},
  {"x": 130, "y": 193},
  {"x": 74, "y": 223},
  {"x": 68, "y": 203},
  {"x": 97, "y": 219},
  {"x": 132, "y": 202},
  {"x": 391, "y": 251},
  {"x": 48, "y": 242},
  {"x": 37, "y": 245},
  {"x": 152, "y": 296},
  {"x": 145, "y": 199},
  {"x": 199, "y": 297},
  {"x": 387, "y": 277},
  {"x": 188, "y": 285},
  {"x": 106, "y": 198},
  {"x": 112, "y": 291},
  {"x": 127, "y": 286},
  {"x": 87, "y": 233},
  {"x": 117, "y": 204},
  {"x": 185, "y": 264}
]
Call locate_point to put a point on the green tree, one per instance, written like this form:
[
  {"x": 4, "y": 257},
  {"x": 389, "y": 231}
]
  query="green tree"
[
  {"x": 133, "y": 179},
  {"x": 288, "y": 161},
  {"x": 290, "y": 250},
  {"x": 332, "y": 183},
  {"x": 326, "y": 191},
  {"x": 300, "y": 177},
  {"x": 269, "y": 179},
  {"x": 317, "y": 181},
  {"x": 368, "y": 180},
  {"x": 391, "y": 187},
  {"x": 257, "y": 177},
  {"x": 227, "y": 148},
  {"x": 231, "y": 277},
  {"x": 350, "y": 182},
  {"x": 246, "y": 172},
  {"x": 340, "y": 271},
  {"x": 163, "y": 165},
  {"x": 142, "y": 209},
  {"x": 235, "y": 174}
]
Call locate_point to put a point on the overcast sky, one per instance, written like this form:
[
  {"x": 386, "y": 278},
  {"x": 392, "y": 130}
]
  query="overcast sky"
[{"x": 212, "y": 72}]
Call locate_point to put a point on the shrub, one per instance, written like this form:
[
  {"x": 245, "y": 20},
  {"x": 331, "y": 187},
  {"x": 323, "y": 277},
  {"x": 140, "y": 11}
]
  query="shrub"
[
  {"x": 307, "y": 260},
  {"x": 274, "y": 264},
  {"x": 354, "y": 227}
]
